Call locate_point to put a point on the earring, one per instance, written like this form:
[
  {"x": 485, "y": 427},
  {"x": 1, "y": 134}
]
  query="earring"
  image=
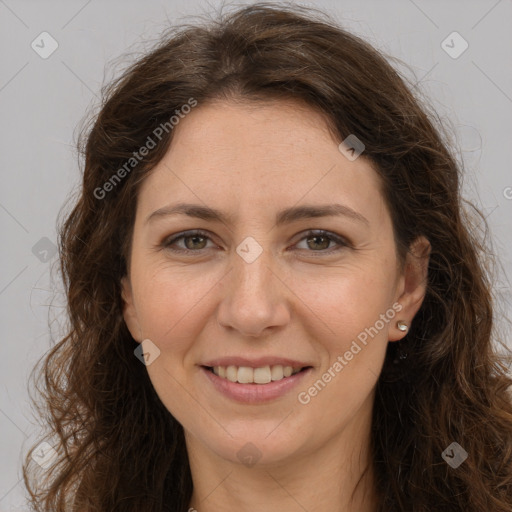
[
  {"x": 401, "y": 354},
  {"x": 402, "y": 326}
]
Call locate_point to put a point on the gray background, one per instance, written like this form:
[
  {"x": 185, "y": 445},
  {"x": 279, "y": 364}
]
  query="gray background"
[{"x": 42, "y": 102}]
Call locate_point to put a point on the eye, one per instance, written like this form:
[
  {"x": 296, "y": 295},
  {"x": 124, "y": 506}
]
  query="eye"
[
  {"x": 196, "y": 240},
  {"x": 196, "y": 237},
  {"x": 320, "y": 239}
]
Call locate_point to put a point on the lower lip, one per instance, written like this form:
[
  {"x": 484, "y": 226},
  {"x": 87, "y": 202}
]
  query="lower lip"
[{"x": 255, "y": 393}]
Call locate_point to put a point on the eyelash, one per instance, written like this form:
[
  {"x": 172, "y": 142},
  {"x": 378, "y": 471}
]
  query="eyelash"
[{"x": 166, "y": 244}]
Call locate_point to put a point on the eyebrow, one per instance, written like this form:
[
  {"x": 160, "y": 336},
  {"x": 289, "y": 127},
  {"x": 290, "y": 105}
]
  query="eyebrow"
[{"x": 286, "y": 216}]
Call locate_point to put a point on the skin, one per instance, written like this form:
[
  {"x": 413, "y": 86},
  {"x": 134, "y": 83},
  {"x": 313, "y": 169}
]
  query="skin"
[{"x": 300, "y": 298}]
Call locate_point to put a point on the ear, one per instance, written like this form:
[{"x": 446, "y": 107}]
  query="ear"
[
  {"x": 129, "y": 312},
  {"x": 412, "y": 285}
]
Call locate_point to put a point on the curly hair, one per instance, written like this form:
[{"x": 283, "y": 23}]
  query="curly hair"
[{"x": 119, "y": 448}]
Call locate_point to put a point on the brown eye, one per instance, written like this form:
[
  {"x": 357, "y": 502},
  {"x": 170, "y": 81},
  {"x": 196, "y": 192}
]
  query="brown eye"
[
  {"x": 194, "y": 241},
  {"x": 319, "y": 241}
]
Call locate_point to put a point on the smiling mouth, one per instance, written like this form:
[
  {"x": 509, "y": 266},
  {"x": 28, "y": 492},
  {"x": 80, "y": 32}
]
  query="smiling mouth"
[{"x": 248, "y": 375}]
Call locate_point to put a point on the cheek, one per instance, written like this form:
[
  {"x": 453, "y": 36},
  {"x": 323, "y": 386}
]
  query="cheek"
[
  {"x": 172, "y": 306},
  {"x": 343, "y": 302},
  {"x": 350, "y": 324},
  {"x": 333, "y": 309},
  {"x": 175, "y": 303}
]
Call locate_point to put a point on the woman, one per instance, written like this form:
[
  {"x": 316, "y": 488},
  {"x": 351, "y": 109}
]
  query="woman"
[{"x": 275, "y": 300}]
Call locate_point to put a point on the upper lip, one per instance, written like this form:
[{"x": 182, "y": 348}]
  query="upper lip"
[{"x": 255, "y": 363}]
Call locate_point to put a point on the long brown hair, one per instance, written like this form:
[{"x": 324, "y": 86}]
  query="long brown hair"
[{"x": 118, "y": 447}]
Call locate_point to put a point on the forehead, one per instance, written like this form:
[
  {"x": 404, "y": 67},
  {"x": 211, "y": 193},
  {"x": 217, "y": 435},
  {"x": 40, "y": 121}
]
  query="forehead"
[
  {"x": 245, "y": 155},
  {"x": 239, "y": 128}
]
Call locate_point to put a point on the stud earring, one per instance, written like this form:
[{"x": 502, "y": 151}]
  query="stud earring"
[{"x": 402, "y": 326}]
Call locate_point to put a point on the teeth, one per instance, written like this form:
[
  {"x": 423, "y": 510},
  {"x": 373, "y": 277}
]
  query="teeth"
[
  {"x": 232, "y": 373},
  {"x": 277, "y": 372},
  {"x": 248, "y": 375},
  {"x": 262, "y": 375},
  {"x": 245, "y": 375}
]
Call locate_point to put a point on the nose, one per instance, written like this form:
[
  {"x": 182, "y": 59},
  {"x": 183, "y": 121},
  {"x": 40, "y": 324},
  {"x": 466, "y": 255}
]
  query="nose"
[{"x": 255, "y": 297}]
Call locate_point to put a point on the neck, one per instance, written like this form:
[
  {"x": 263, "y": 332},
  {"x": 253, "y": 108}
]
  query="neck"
[{"x": 324, "y": 478}]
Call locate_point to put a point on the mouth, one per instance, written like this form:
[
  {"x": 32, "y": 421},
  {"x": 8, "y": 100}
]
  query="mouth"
[{"x": 249, "y": 375}]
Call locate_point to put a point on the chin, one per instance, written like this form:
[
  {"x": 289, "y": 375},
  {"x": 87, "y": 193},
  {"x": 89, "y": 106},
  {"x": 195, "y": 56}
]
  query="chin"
[{"x": 255, "y": 446}]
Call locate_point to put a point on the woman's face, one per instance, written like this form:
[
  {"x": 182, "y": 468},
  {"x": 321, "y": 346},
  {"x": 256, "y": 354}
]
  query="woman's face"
[{"x": 257, "y": 290}]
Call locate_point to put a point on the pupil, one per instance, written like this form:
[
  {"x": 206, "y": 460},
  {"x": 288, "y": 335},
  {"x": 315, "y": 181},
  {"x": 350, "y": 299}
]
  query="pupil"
[
  {"x": 194, "y": 238},
  {"x": 316, "y": 237}
]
